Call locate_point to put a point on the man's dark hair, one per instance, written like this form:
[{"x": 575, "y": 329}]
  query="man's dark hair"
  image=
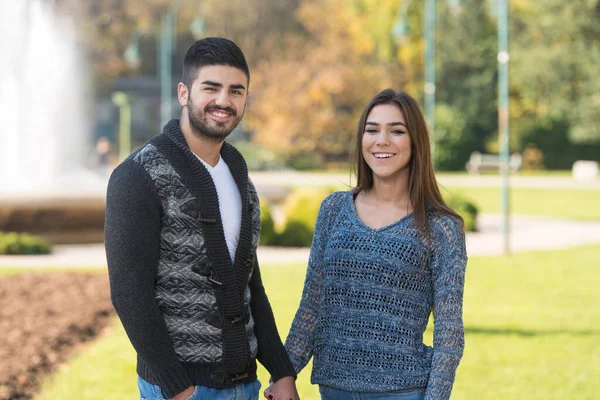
[{"x": 212, "y": 51}]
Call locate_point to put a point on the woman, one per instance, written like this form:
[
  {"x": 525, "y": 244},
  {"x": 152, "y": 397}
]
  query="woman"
[{"x": 384, "y": 255}]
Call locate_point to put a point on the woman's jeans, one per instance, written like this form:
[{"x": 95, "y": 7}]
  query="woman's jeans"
[
  {"x": 329, "y": 393},
  {"x": 248, "y": 391}
]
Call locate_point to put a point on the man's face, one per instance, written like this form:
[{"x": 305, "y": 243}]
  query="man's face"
[{"x": 217, "y": 101}]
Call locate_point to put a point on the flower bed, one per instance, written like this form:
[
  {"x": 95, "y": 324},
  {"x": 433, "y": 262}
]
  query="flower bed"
[{"x": 44, "y": 318}]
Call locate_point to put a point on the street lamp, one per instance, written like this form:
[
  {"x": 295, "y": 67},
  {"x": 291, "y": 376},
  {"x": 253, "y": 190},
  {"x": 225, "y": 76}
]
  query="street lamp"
[
  {"x": 122, "y": 100},
  {"x": 503, "y": 116},
  {"x": 400, "y": 30},
  {"x": 167, "y": 44},
  {"x": 499, "y": 9}
]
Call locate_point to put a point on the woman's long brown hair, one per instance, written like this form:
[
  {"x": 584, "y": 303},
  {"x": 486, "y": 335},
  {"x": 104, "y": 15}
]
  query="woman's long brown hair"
[{"x": 423, "y": 189}]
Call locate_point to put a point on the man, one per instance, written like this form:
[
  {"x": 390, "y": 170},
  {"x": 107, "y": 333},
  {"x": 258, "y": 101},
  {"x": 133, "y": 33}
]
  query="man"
[{"x": 182, "y": 227}]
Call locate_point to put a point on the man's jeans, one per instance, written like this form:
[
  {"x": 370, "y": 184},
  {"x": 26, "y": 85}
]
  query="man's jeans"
[
  {"x": 248, "y": 391},
  {"x": 329, "y": 393}
]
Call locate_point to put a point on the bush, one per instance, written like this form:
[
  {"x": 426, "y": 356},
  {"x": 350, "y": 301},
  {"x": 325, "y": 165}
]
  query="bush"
[
  {"x": 301, "y": 210},
  {"x": 268, "y": 236},
  {"x": 295, "y": 234},
  {"x": 551, "y": 136},
  {"x": 304, "y": 161},
  {"x": 23, "y": 243},
  {"x": 258, "y": 158},
  {"x": 466, "y": 209},
  {"x": 304, "y": 205}
]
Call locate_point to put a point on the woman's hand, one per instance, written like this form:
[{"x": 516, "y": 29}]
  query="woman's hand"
[{"x": 283, "y": 389}]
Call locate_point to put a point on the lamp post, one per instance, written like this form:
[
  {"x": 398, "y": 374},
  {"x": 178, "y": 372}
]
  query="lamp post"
[
  {"x": 166, "y": 54},
  {"x": 400, "y": 30},
  {"x": 429, "y": 32},
  {"x": 499, "y": 10},
  {"x": 165, "y": 44},
  {"x": 503, "y": 115},
  {"x": 122, "y": 100}
]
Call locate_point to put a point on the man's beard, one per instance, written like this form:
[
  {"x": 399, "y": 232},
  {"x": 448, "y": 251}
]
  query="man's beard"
[{"x": 201, "y": 126}]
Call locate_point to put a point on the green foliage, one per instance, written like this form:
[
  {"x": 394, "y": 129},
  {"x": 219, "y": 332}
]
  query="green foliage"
[
  {"x": 315, "y": 64},
  {"x": 466, "y": 82},
  {"x": 301, "y": 211},
  {"x": 267, "y": 225},
  {"x": 23, "y": 243},
  {"x": 452, "y": 149},
  {"x": 304, "y": 205},
  {"x": 295, "y": 234},
  {"x": 257, "y": 157},
  {"x": 551, "y": 136},
  {"x": 563, "y": 37},
  {"x": 304, "y": 160},
  {"x": 466, "y": 209}
]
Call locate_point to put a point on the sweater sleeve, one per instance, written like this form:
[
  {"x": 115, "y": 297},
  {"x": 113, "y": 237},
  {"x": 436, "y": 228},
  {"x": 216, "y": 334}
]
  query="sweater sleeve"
[
  {"x": 300, "y": 341},
  {"x": 449, "y": 260},
  {"x": 271, "y": 353},
  {"x": 132, "y": 240}
]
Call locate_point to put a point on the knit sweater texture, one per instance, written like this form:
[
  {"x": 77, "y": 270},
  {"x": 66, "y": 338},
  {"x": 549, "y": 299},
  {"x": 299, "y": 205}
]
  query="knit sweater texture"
[
  {"x": 193, "y": 316},
  {"x": 367, "y": 299}
]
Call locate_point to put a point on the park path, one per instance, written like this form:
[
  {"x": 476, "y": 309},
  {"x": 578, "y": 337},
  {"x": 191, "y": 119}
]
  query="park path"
[{"x": 527, "y": 233}]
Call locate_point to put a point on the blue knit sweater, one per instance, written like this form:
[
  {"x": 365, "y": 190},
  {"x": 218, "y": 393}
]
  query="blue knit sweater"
[{"x": 367, "y": 299}]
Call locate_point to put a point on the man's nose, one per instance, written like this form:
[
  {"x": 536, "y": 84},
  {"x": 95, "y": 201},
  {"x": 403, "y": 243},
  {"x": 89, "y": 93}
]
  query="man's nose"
[{"x": 223, "y": 99}]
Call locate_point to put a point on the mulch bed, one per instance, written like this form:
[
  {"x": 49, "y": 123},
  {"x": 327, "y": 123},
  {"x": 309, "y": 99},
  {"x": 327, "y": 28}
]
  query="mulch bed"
[{"x": 43, "y": 319}]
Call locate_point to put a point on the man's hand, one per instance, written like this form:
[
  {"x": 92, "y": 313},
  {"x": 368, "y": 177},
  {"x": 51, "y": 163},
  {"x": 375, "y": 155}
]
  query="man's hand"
[
  {"x": 186, "y": 394},
  {"x": 283, "y": 389}
]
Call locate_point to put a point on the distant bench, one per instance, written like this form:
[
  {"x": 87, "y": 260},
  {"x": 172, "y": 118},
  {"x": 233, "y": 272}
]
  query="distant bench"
[{"x": 491, "y": 162}]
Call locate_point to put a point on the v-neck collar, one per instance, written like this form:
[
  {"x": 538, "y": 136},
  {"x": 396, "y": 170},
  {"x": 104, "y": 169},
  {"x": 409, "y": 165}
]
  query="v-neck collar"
[{"x": 359, "y": 222}]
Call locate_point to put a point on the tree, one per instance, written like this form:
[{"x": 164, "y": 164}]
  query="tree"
[
  {"x": 466, "y": 80},
  {"x": 312, "y": 95},
  {"x": 554, "y": 65}
]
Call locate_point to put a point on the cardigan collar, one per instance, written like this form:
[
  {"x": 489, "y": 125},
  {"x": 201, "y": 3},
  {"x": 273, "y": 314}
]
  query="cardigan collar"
[{"x": 199, "y": 181}]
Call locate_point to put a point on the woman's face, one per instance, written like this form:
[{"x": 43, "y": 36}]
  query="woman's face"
[{"x": 386, "y": 142}]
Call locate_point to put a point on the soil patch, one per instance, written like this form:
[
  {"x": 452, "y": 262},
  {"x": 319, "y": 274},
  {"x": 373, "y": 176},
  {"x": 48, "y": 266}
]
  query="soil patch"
[{"x": 43, "y": 317}]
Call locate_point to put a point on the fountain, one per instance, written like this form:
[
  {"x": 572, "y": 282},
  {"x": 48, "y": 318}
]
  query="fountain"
[{"x": 44, "y": 130}]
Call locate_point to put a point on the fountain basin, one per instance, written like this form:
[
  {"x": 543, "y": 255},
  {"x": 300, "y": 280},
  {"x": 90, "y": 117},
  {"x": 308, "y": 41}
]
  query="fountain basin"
[{"x": 61, "y": 217}]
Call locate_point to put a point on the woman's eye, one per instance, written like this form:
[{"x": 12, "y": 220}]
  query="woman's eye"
[{"x": 371, "y": 130}]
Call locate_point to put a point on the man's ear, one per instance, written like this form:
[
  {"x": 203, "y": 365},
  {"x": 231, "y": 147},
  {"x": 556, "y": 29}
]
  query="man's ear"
[{"x": 182, "y": 94}]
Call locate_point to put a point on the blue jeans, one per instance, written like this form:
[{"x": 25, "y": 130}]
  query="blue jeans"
[
  {"x": 247, "y": 391},
  {"x": 329, "y": 393}
]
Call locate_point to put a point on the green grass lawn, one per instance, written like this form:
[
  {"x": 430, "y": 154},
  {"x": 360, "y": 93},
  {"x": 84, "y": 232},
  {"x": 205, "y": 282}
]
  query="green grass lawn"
[
  {"x": 531, "y": 323},
  {"x": 558, "y": 203},
  {"x": 578, "y": 204},
  {"x": 543, "y": 173}
]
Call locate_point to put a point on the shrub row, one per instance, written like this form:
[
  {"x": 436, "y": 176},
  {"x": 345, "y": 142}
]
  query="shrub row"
[
  {"x": 23, "y": 243},
  {"x": 302, "y": 207}
]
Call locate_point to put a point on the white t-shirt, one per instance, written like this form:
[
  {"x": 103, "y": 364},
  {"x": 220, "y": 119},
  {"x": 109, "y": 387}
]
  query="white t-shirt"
[{"x": 230, "y": 203}]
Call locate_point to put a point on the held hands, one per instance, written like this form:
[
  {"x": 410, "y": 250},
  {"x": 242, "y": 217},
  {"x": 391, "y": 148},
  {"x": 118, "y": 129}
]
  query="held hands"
[
  {"x": 283, "y": 389},
  {"x": 186, "y": 394}
]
